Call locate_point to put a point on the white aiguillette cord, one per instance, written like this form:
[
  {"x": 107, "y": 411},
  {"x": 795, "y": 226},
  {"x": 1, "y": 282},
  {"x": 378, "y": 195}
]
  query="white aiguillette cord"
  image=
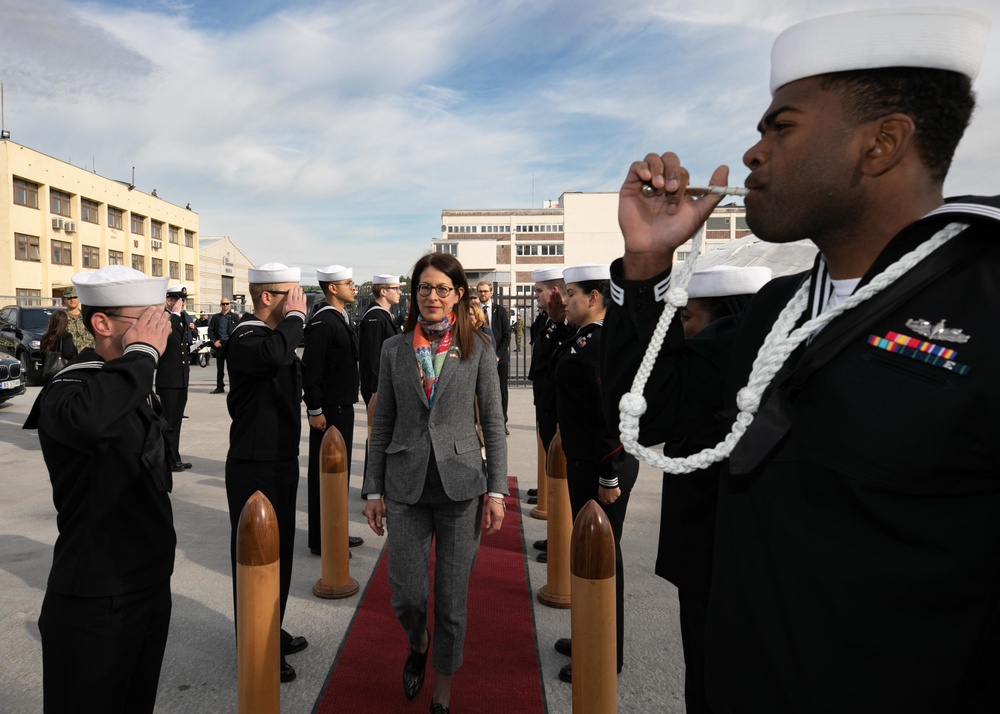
[{"x": 779, "y": 343}]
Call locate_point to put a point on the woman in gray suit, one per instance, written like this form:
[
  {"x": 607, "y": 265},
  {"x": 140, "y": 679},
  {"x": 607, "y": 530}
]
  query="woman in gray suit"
[{"x": 425, "y": 457}]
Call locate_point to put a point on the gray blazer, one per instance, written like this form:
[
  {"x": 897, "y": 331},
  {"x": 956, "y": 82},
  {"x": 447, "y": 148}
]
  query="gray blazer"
[{"x": 404, "y": 427}]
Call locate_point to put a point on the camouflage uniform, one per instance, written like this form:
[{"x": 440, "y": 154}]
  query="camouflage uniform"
[{"x": 81, "y": 337}]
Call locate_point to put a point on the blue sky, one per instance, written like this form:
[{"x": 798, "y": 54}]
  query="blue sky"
[{"x": 336, "y": 132}]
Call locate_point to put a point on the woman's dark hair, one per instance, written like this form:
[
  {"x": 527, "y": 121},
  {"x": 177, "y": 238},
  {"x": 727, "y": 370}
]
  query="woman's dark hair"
[
  {"x": 448, "y": 264},
  {"x": 58, "y": 323},
  {"x": 603, "y": 288},
  {"x": 940, "y": 103}
]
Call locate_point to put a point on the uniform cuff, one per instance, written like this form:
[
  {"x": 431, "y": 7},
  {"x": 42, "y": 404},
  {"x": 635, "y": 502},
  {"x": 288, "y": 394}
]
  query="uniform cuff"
[
  {"x": 314, "y": 412},
  {"x": 373, "y": 496},
  {"x": 638, "y": 292},
  {"x": 143, "y": 348}
]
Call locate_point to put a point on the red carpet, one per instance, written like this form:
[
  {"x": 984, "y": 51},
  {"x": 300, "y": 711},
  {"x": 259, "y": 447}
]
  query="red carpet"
[{"x": 500, "y": 671}]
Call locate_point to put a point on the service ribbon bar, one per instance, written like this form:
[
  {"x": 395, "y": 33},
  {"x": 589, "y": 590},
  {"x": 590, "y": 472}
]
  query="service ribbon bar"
[{"x": 926, "y": 352}]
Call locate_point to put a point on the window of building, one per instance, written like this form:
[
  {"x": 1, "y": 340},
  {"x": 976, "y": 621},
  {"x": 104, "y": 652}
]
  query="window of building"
[
  {"x": 62, "y": 253},
  {"x": 91, "y": 256},
  {"x": 25, "y": 193},
  {"x": 450, "y": 248},
  {"x": 157, "y": 265},
  {"x": 717, "y": 223},
  {"x": 88, "y": 210},
  {"x": 139, "y": 263},
  {"x": 175, "y": 270},
  {"x": 540, "y": 249},
  {"x": 59, "y": 202},
  {"x": 115, "y": 216},
  {"x": 27, "y": 296},
  {"x": 682, "y": 255},
  {"x": 189, "y": 239},
  {"x": 174, "y": 234},
  {"x": 116, "y": 257},
  {"x": 188, "y": 271},
  {"x": 27, "y": 247},
  {"x": 138, "y": 224},
  {"x": 156, "y": 230}
]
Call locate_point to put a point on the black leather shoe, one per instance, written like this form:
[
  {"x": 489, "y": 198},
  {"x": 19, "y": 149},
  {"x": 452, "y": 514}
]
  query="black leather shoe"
[
  {"x": 543, "y": 557},
  {"x": 563, "y": 646},
  {"x": 354, "y": 541},
  {"x": 532, "y": 491},
  {"x": 179, "y": 466},
  {"x": 506, "y": 431},
  {"x": 413, "y": 672},
  {"x": 532, "y": 500},
  {"x": 542, "y": 545},
  {"x": 566, "y": 673},
  {"x": 220, "y": 390},
  {"x": 291, "y": 645},
  {"x": 438, "y": 708},
  {"x": 287, "y": 671}
]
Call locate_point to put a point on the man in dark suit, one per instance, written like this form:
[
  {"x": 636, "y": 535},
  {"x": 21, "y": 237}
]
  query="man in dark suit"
[
  {"x": 498, "y": 320},
  {"x": 173, "y": 374},
  {"x": 330, "y": 380},
  {"x": 220, "y": 327}
]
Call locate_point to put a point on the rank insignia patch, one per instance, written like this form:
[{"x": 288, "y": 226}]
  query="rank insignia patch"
[
  {"x": 926, "y": 352},
  {"x": 937, "y": 331}
]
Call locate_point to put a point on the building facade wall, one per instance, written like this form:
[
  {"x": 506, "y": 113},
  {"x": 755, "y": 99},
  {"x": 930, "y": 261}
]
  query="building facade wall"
[
  {"x": 71, "y": 212},
  {"x": 222, "y": 264}
]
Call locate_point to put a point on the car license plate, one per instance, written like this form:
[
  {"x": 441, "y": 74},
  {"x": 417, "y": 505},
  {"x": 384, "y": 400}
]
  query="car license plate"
[{"x": 10, "y": 384}]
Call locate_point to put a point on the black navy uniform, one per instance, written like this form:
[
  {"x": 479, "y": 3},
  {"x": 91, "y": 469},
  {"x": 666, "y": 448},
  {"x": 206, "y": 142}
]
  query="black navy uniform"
[
  {"x": 593, "y": 452},
  {"x": 857, "y": 538},
  {"x": 173, "y": 375},
  {"x": 265, "y": 403},
  {"x": 376, "y": 327},
  {"x": 330, "y": 384},
  {"x": 106, "y": 611},
  {"x": 546, "y": 336}
]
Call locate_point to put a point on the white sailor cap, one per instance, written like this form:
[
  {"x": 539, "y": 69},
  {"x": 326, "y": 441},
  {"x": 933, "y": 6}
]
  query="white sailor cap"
[
  {"x": 333, "y": 273},
  {"x": 929, "y": 37},
  {"x": 724, "y": 280},
  {"x": 119, "y": 286},
  {"x": 587, "y": 271},
  {"x": 545, "y": 274},
  {"x": 270, "y": 273},
  {"x": 385, "y": 279}
]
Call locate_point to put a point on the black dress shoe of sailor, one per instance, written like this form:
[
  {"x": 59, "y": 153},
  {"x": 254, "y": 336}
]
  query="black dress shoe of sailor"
[
  {"x": 564, "y": 646},
  {"x": 532, "y": 491},
  {"x": 179, "y": 466},
  {"x": 566, "y": 673},
  {"x": 413, "y": 672},
  {"x": 542, "y": 557},
  {"x": 354, "y": 541},
  {"x": 532, "y": 500},
  {"x": 291, "y": 644},
  {"x": 542, "y": 545},
  {"x": 287, "y": 671},
  {"x": 437, "y": 708}
]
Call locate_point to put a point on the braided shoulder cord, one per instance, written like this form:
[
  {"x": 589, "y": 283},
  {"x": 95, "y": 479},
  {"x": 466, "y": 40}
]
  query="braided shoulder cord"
[{"x": 778, "y": 345}]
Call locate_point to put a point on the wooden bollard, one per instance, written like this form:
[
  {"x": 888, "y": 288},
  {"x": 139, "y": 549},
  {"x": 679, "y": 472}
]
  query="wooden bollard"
[
  {"x": 336, "y": 580},
  {"x": 258, "y": 653},
  {"x": 592, "y": 617},
  {"x": 541, "y": 510},
  {"x": 556, "y": 592}
]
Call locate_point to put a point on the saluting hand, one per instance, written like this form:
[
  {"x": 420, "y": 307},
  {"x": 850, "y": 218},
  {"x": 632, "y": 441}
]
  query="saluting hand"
[
  {"x": 655, "y": 226},
  {"x": 295, "y": 301},
  {"x": 152, "y": 328}
]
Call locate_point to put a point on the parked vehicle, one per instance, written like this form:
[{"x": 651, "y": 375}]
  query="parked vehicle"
[
  {"x": 12, "y": 378},
  {"x": 21, "y": 330}
]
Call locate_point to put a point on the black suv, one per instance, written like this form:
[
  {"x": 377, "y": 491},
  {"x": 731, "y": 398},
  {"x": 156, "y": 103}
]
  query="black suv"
[{"x": 21, "y": 330}]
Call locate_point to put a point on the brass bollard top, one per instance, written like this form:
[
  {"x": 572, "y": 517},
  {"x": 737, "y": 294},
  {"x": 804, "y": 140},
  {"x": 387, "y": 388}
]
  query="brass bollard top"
[
  {"x": 333, "y": 452},
  {"x": 592, "y": 547},
  {"x": 557, "y": 459},
  {"x": 257, "y": 532}
]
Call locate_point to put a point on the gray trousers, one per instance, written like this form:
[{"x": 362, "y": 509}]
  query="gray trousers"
[{"x": 455, "y": 527}]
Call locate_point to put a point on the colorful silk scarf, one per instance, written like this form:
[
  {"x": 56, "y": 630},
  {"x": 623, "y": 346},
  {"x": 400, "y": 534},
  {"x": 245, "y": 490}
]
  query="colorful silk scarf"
[{"x": 430, "y": 364}]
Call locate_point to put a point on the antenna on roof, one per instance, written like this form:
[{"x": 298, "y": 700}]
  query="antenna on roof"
[{"x": 4, "y": 134}]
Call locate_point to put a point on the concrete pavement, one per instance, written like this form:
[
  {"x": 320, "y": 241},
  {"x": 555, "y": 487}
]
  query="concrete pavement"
[{"x": 199, "y": 669}]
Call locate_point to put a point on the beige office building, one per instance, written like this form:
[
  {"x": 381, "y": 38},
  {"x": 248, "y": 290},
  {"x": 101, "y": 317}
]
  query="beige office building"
[
  {"x": 57, "y": 219},
  {"x": 505, "y": 245},
  {"x": 223, "y": 272}
]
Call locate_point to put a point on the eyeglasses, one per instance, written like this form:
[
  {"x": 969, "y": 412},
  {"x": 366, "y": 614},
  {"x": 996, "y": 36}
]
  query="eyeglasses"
[
  {"x": 277, "y": 292},
  {"x": 125, "y": 317},
  {"x": 346, "y": 282},
  {"x": 443, "y": 291}
]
